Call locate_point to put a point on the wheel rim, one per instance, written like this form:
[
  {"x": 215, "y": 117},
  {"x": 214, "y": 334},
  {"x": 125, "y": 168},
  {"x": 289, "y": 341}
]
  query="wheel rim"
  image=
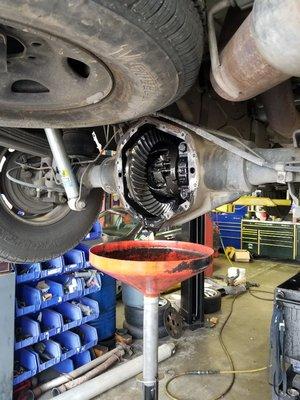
[
  {"x": 47, "y": 73},
  {"x": 22, "y": 206}
]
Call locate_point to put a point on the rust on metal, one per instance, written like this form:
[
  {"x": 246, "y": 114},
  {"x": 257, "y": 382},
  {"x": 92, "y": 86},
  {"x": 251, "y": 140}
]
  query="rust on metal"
[
  {"x": 151, "y": 266},
  {"x": 243, "y": 67}
]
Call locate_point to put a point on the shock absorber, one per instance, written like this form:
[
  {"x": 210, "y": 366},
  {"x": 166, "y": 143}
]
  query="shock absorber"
[{"x": 67, "y": 175}]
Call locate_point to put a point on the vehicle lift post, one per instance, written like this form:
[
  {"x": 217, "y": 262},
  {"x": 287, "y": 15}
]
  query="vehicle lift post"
[{"x": 192, "y": 290}]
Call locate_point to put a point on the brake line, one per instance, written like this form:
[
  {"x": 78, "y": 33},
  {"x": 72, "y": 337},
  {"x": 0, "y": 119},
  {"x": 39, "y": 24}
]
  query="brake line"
[{"x": 31, "y": 185}]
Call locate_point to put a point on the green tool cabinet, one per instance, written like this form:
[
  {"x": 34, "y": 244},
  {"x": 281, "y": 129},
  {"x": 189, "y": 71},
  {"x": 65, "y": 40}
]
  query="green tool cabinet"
[{"x": 271, "y": 239}]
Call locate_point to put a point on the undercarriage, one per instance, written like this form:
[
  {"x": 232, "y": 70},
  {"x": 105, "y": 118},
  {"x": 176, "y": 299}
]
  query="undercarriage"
[{"x": 174, "y": 120}]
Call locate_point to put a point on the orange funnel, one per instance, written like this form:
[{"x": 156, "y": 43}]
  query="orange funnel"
[{"x": 151, "y": 267}]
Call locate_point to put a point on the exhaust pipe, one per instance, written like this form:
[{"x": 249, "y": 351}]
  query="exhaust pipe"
[{"x": 262, "y": 53}]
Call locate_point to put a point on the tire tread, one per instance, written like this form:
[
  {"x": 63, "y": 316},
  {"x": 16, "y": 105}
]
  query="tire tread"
[{"x": 174, "y": 24}]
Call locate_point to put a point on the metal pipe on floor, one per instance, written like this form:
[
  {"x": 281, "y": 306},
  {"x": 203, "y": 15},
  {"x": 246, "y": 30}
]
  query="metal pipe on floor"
[
  {"x": 90, "y": 374},
  {"x": 114, "y": 377},
  {"x": 150, "y": 345},
  {"x": 39, "y": 390}
]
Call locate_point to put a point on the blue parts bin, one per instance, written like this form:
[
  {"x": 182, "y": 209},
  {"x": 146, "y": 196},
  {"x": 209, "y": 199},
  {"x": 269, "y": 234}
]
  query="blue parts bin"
[
  {"x": 85, "y": 249},
  {"x": 88, "y": 336},
  {"x": 81, "y": 359},
  {"x": 71, "y": 315},
  {"x": 28, "y": 272},
  {"x": 51, "y": 314},
  {"x": 107, "y": 300},
  {"x": 25, "y": 366},
  {"x": 59, "y": 336},
  {"x": 52, "y": 267},
  {"x": 64, "y": 367},
  {"x": 47, "y": 354},
  {"x": 69, "y": 343},
  {"x": 91, "y": 281},
  {"x": 27, "y": 332},
  {"x": 105, "y": 324},
  {"x": 107, "y": 280},
  {"x": 89, "y": 309},
  {"x": 107, "y": 297},
  {"x": 51, "y": 292},
  {"x": 72, "y": 287},
  {"x": 95, "y": 232},
  {"x": 50, "y": 323},
  {"x": 74, "y": 259},
  {"x": 28, "y": 300}
]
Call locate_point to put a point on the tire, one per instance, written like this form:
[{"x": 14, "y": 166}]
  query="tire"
[
  {"x": 212, "y": 303},
  {"x": 21, "y": 242},
  {"x": 137, "y": 332},
  {"x": 135, "y": 316},
  {"x": 150, "y": 49}
]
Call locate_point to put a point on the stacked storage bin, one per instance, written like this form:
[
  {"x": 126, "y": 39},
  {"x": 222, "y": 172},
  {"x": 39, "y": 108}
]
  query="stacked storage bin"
[
  {"x": 106, "y": 299},
  {"x": 52, "y": 329}
]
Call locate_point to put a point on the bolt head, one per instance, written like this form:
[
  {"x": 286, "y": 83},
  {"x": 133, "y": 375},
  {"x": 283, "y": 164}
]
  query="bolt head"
[
  {"x": 81, "y": 204},
  {"x": 182, "y": 147}
]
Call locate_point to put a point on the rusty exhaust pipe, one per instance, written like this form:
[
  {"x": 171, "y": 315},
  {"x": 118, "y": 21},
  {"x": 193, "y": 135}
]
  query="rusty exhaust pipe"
[{"x": 262, "y": 53}]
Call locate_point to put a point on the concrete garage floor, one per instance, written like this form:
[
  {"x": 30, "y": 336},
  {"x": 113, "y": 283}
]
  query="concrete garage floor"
[{"x": 246, "y": 337}]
